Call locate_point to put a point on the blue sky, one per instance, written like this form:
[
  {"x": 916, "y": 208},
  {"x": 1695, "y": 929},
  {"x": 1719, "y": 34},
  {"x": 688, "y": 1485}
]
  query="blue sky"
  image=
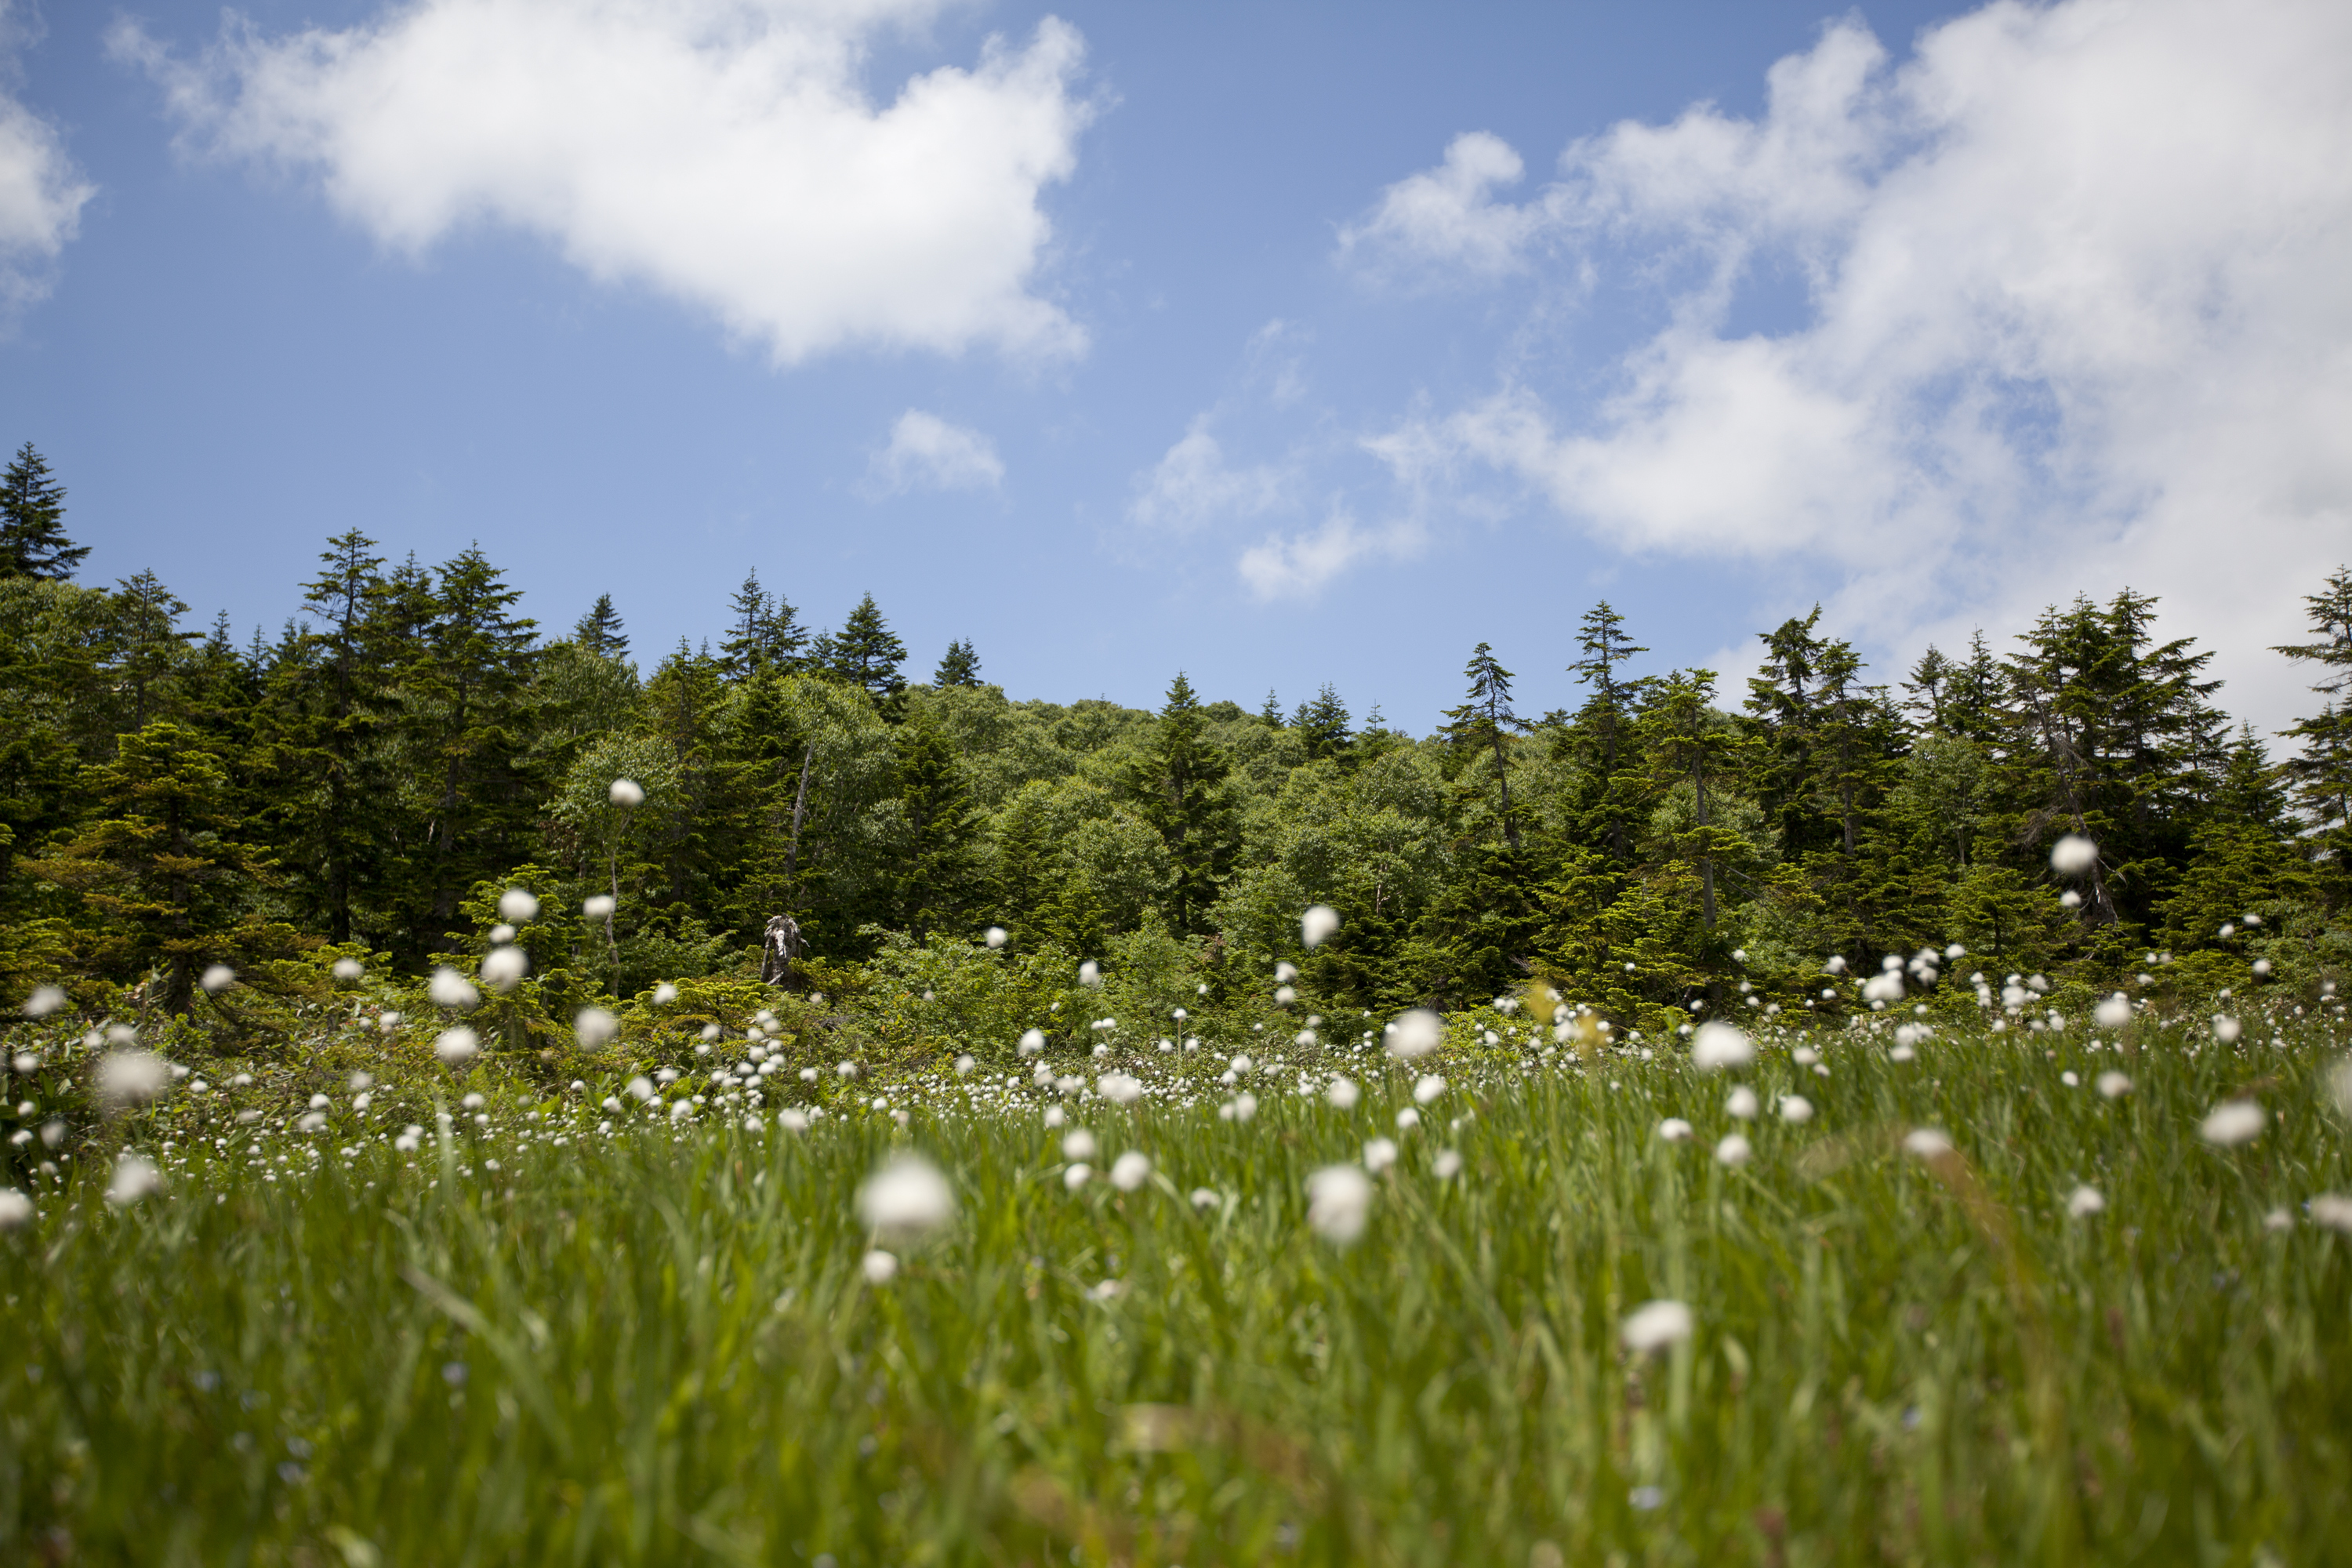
[{"x": 1280, "y": 344}]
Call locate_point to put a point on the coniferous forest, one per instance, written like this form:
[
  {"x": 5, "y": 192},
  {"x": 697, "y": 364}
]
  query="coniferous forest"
[{"x": 413, "y": 740}]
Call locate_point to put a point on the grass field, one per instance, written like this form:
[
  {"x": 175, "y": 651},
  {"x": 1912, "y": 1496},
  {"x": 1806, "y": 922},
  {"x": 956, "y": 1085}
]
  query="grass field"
[{"x": 527, "y": 1340}]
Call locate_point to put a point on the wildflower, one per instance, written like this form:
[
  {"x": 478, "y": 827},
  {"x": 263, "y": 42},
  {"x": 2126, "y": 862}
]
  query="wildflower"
[
  {"x": 1796, "y": 1108},
  {"x": 1718, "y": 1045},
  {"x": 906, "y": 1196},
  {"x": 1656, "y": 1326},
  {"x": 1379, "y": 1155},
  {"x": 1408, "y": 1119},
  {"x": 1447, "y": 1165},
  {"x": 1285, "y": 972},
  {"x": 995, "y": 936},
  {"x": 1836, "y": 964},
  {"x": 218, "y": 977},
  {"x": 1339, "y": 1203},
  {"x": 598, "y": 906},
  {"x": 593, "y": 1026},
  {"x": 879, "y": 1267},
  {"x": 2227, "y": 1029},
  {"x": 1205, "y": 1198},
  {"x": 135, "y": 1177},
  {"x": 681, "y": 1110},
  {"x": 626, "y": 793},
  {"x": 1090, "y": 973},
  {"x": 1032, "y": 1042},
  {"x": 519, "y": 905},
  {"x": 457, "y": 1047},
  {"x": 1415, "y": 1034},
  {"x": 1078, "y": 1143},
  {"x": 1927, "y": 1142},
  {"x": 450, "y": 989},
  {"x": 2262, "y": 967},
  {"x": 1318, "y": 924},
  {"x": 2113, "y": 1085},
  {"x": 2331, "y": 1209},
  {"x": 15, "y": 1209},
  {"x": 1284, "y": 995},
  {"x": 2084, "y": 1202},
  {"x": 1076, "y": 1175},
  {"x": 1120, "y": 1088},
  {"x": 1884, "y": 986},
  {"x": 1343, "y": 1094},
  {"x": 664, "y": 994},
  {"x": 2114, "y": 1013},
  {"x": 1733, "y": 1149},
  {"x": 1130, "y": 1170},
  {"x": 1241, "y": 1108},
  {"x": 503, "y": 968},
  {"x": 1428, "y": 1086},
  {"x": 2073, "y": 855},
  {"x": 966, "y": 1065},
  {"x": 131, "y": 1078},
  {"x": 1675, "y": 1129},
  {"x": 1741, "y": 1104},
  {"x": 44, "y": 1001},
  {"x": 2233, "y": 1123}
]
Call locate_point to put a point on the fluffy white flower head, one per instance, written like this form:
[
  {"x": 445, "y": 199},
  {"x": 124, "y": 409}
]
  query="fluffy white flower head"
[
  {"x": 626, "y": 793},
  {"x": 2084, "y": 1202},
  {"x": 1719, "y": 1045},
  {"x": 1130, "y": 1170},
  {"x": 995, "y": 937},
  {"x": 2073, "y": 855},
  {"x": 135, "y": 1177},
  {"x": 44, "y": 1001},
  {"x": 908, "y": 1197},
  {"x": 2233, "y": 1123},
  {"x": 519, "y": 905},
  {"x": 598, "y": 907},
  {"x": 1316, "y": 926},
  {"x": 457, "y": 1047},
  {"x": 503, "y": 968},
  {"x": 1416, "y": 1034},
  {"x": 218, "y": 977},
  {"x": 131, "y": 1078},
  {"x": 450, "y": 989},
  {"x": 1654, "y": 1326},
  {"x": 593, "y": 1026},
  {"x": 1339, "y": 1203}
]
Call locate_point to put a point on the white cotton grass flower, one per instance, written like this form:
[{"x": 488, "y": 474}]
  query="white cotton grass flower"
[
  {"x": 1796, "y": 1108},
  {"x": 519, "y": 905},
  {"x": 218, "y": 977},
  {"x": 1090, "y": 973},
  {"x": 1734, "y": 1151},
  {"x": 1656, "y": 1326},
  {"x": 1408, "y": 1119},
  {"x": 2232, "y": 1123},
  {"x": 664, "y": 994},
  {"x": 1032, "y": 1042},
  {"x": 1887, "y": 987},
  {"x": 2073, "y": 855},
  {"x": 598, "y": 906},
  {"x": 965, "y": 1065},
  {"x": 2334, "y": 1211},
  {"x": 131, "y": 1078},
  {"x": 1380, "y": 1154},
  {"x": 1316, "y": 926},
  {"x": 15, "y": 1209},
  {"x": 1447, "y": 1165},
  {"x": 878, "y": 1267},
  {"x": 457, "y": 1047},
  {"x": 1078, "y": 1143},
  {"x": 2113, "y": 1085},
  {"x": 1130, "y": 1170},
  {"x": 44, "y": 1001},
  {"x": 994, "y": 936},
  {"x": 1415, "y": 1034},
  {"x": 626, "y": 793},
  {"x": 1721, "y": 1045},
  {"x": 2227, "y": 1029},
  {"x": 2339, "y": 1083},
  {"x": 501, "y": 934},
  {"x": 593, "y": 1026},
  {"x": 503, "y": 968},
  {"x": 908, "y": 1197},
  {"x": 1740, "y": 1103},
  {"x": 1927, "y": 1142},
  {"x": 349, "y": 969},
  {"x": 450, "y": 989},
  {"x": 1076, "y": 1175},
  {"x": 1675, "y": 1129},
  {"x": 1342, "y": 1094},
  {"x": 1120, "y": 1088},
  {"x": 1339, "y": 1203},
  {"x": 135, "y": 1177},
  {"x": 1206, "y": 1198},
  {"x": 1427, "y": 1087},
  {"x": 1285, "y": 972},
  {"x": 2114, "y": 1013},
  {"x": 2084, "y": 1202}
]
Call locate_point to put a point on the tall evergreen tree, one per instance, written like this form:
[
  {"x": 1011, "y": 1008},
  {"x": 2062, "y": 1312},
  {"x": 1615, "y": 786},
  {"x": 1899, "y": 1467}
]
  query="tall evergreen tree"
[
  {"x": 1691, "y": 741},
  {"x": 150, "y": 647},
  {"x": 1324, "y": 724},
  {"x": 33, "y": 542},
  {"x": 601, "y": 631},
  {"x": 2322, "y": 771},
  {"x": 763, "y": 632},
  {"x": 942, "y": 866},
  {"x": 1484, "y": 724},
  {"x": 867, "y": 653},
  {"x": 1603, "y": 730},
  {"x": 1178, "y": 787},
  {"x": 959, "y": 666}
]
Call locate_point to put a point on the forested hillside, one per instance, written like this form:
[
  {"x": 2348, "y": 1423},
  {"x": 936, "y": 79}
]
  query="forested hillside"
[{"x": 412, "y": 742}]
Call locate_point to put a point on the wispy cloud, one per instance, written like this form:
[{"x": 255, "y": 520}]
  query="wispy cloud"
[
  {"x": 926, "y": 452},
  {"x": 41, "y": 192},
  {"x": 1192, "y": 486}
]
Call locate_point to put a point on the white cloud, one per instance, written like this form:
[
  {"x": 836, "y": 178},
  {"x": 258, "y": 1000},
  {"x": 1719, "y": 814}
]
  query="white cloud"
[
  {"x": 1298, "y": 566},
  {"x": 2077, "y": 319},
  {"x": 926, "y": 452},
  {"x": 722, "y": 152},
  {"x": 1192, "y": 486},
  {"x": 41, "y": 192}
]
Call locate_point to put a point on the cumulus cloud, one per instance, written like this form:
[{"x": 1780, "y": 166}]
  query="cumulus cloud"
[
  {"x": 926, "y": 452},
  {"x": 2076, "y": 318},
  {"x": 722, "y": 151},
  {"x": 1298, "y": 566},
  {"x": 41, "y": 192},
  {"x": 1194, "y": 485}
]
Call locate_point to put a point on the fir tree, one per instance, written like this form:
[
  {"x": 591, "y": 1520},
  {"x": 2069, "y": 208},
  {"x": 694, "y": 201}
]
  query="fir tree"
[
  {"x": 33, "y": 542},
  {"x": 1178, "y": 788},
  {"x": 149, "y": 644},
  {"x": 940, "y": 862},
  {"x": 867, "y": 654},
  {"x": 763, "y": 632},
  {"x": 959, "y": 666},
  {"x": 1484, "y": 723},
  {"x": 2322, "y": 773},
  {"x": 1324, "y": 723},
  {"x": 1603, "y": 730},
  {"x": 600, "y": 631}
]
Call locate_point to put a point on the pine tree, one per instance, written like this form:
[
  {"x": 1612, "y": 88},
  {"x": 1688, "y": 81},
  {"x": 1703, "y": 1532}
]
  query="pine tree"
[
  {"x": 1324, "y": 723},
  {"x": 600, "y": 631},
  {"x": 150, "y": 648},
  {"x": 1603, "y": 730},
  {"x": 1484, "y": 723},
  {"x": 763, "y": 632},
  {"x": 33, "y": 542},
  {"x": 1690, "y": 741},
  {"x": 2322, "y": 773},
  {"x": 1270, "y": 715},
  {"x": 959, "y": 666},
  {"x": 866, "y": 653},
  {"x": 1178, "y": 787}
]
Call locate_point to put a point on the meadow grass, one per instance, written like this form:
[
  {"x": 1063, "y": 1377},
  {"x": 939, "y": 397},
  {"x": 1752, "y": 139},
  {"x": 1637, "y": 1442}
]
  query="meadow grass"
[{"x": 659, "y": 1344}]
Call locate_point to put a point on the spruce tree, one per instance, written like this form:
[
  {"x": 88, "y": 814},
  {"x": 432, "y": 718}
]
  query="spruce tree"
[
  {"x": 1691, "y": 741},
  {"x": 1324, "y": 723},
  {"x": 2322, "y": 773},
  {"x": 959, "y": 666},
  {"x": 763, "y": 632},
  {"x": 33, "y": 542},
  {"x": 1482, "y": 725},
  {"x": 600, "y": 631},
  {"x": 150, "y": 649},
  {"x": 1178, "y": 788},
  {"x": 866, "y": 653},
  {"x": 1603, "y": 730},
  {"x": 940, "y": 862}
]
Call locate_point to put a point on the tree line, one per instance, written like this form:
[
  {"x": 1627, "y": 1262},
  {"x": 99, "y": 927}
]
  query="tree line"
[{"x": 411, "y": 742}]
